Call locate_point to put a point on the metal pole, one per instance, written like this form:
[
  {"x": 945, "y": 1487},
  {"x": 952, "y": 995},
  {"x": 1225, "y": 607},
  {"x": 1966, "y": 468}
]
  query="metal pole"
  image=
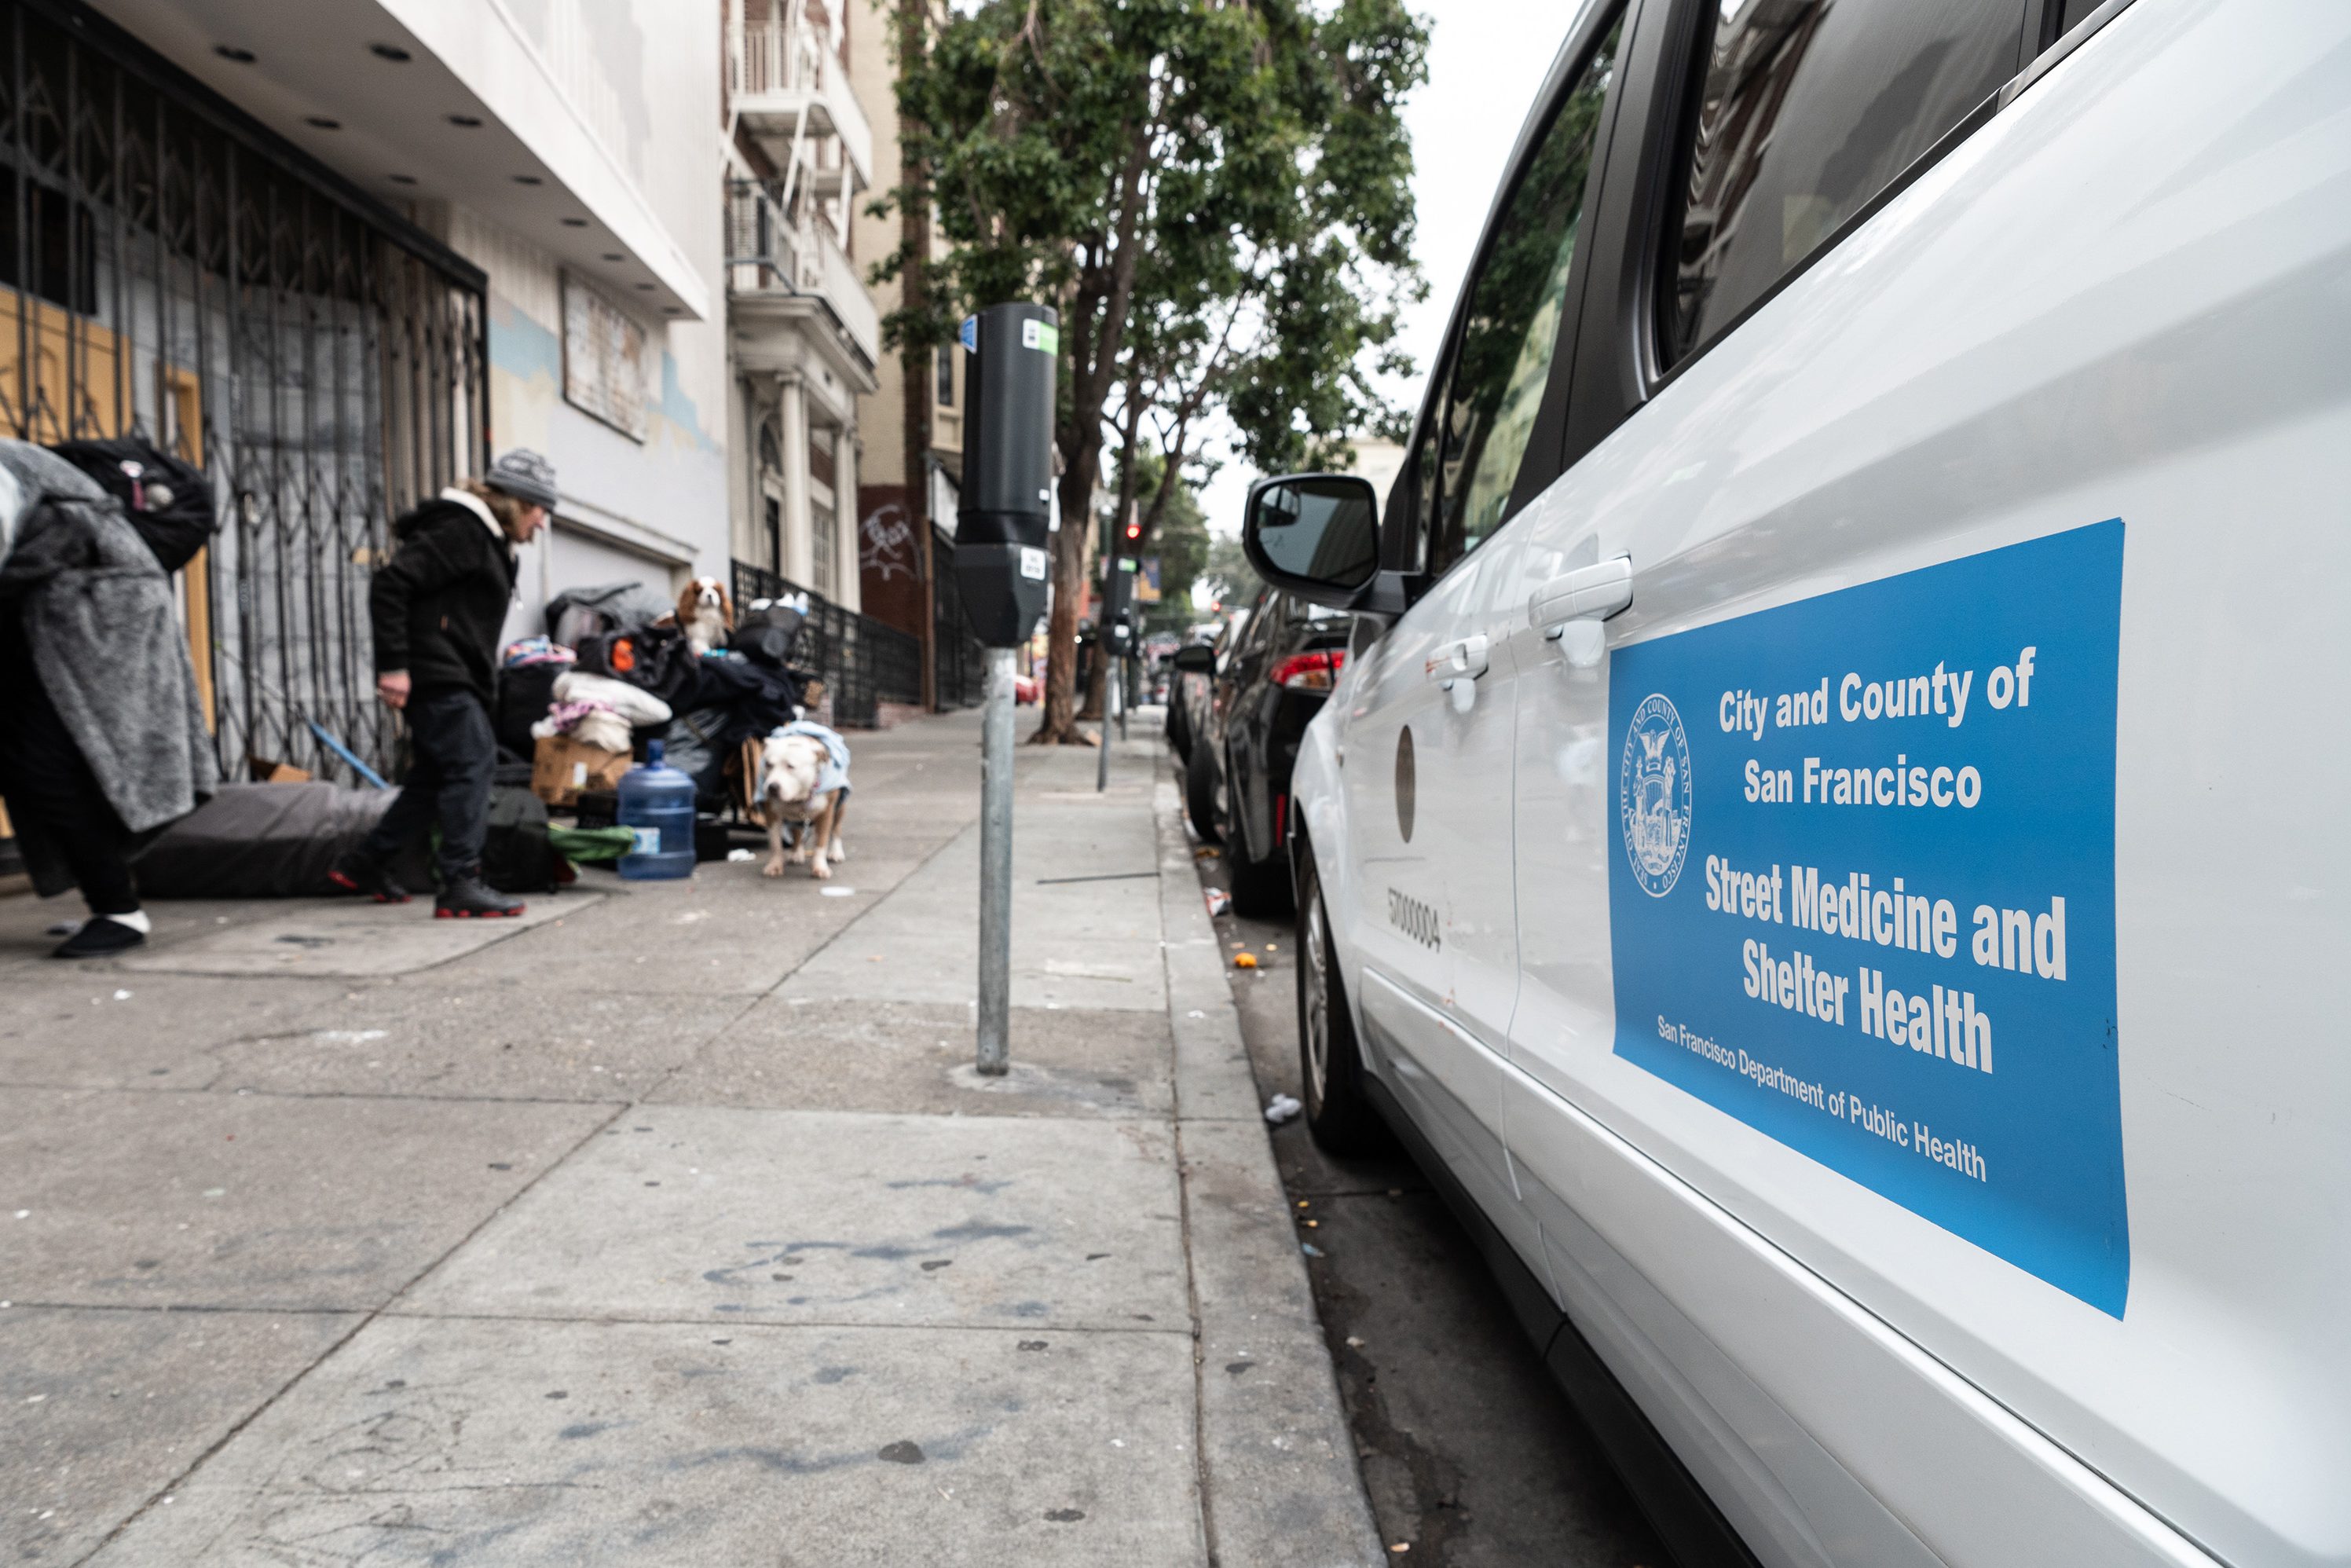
[
  {"x": 1123, "y": 669},
  {"x": 995, "y": 869},
  {"x": 1110, "y": 706}
]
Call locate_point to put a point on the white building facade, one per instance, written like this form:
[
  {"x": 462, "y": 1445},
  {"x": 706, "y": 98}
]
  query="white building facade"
[{"x": 342, "y": 254}]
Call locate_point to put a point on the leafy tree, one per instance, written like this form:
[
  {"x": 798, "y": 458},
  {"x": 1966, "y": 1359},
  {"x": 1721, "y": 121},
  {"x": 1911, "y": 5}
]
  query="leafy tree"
[
  {"x": 1180, "y": 540},
  {"x": 1227, "y": 571},
  {"x": 1215, "y": 196},
  {"x": 1227, "y": 574}
]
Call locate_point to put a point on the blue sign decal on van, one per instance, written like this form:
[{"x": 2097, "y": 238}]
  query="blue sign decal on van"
[{"x": 1862, "y": 892}]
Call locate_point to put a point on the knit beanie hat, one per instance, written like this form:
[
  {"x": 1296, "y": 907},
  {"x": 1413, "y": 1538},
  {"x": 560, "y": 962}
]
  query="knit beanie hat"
[{"x": 524, "y": 474}]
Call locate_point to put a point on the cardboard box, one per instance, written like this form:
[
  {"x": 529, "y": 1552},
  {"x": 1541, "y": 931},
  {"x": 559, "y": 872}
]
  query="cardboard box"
[
  {"x": 746, "y": 780},
  {"x": 562, "y": 766}
]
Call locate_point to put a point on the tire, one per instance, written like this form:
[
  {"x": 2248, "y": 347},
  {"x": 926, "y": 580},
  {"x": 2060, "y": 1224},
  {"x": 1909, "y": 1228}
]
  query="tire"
[
  {"x": 1339, "y": 1115},
  {"x": 1179, "y": 726},
  {"x": 1200, "y": 794},
  {"x": 1260, "y": 889}
]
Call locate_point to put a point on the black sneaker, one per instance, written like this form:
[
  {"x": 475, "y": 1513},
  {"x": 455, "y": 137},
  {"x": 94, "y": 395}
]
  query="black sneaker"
[
  {"x": 355, "y": 871},
  {"x": 471, "y": 898},
  {"x": 99, "y": 937}
]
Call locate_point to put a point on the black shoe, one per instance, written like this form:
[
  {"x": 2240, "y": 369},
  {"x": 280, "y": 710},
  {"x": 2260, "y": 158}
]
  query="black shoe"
[
  {"x": 355, "y": 871},
  {"x": 99, "y": 937},
  {"x": 471, "y": 898}
]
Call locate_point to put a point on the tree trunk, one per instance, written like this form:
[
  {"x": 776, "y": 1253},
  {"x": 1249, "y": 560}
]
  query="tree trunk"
[
  {"x": 1096, "y": 687},
  {"x": 1069, "y": 552}
]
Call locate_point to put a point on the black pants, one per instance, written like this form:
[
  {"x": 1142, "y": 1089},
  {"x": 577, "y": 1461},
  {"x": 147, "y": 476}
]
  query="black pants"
[
  {"x": 455, "y": 751},
  {"x": 48, "y": 785}
]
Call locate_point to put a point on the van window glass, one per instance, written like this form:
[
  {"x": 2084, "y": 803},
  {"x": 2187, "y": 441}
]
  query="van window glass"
[
  {"x": 1502, "y": 360},
  {"x": 1803, "y": 110},
  {"x": 2072, "y": 14},
  {"x": 1421, "y": 475},
  {"x": 1252, "y": 634}
]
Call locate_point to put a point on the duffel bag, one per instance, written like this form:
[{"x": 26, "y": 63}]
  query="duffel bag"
[{"x": 656, "y": 659}]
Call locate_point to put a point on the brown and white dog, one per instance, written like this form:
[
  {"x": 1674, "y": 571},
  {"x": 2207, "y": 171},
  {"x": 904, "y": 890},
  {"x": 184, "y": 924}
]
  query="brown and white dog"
[
  {"x": 704, "y": 614},
  {"x": 801, "y": 782}
]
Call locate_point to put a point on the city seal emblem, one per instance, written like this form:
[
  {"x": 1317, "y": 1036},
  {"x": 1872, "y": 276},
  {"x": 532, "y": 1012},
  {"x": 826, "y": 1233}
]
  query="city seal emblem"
[{"x": 1653, "y": 795}]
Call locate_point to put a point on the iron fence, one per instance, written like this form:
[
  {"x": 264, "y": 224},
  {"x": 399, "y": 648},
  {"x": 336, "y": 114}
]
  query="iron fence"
[
  {"x": 862, "y": 662},
  {"x": 958, "y": 663},
  {"x": 171, "y": 270}
]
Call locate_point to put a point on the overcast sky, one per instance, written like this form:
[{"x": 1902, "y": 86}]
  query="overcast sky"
[{"x": 1486, "y": 60}]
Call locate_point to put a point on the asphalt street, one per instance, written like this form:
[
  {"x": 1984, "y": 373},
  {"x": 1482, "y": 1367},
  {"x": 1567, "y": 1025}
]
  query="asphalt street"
[{"x": 1471, "y": 1456}]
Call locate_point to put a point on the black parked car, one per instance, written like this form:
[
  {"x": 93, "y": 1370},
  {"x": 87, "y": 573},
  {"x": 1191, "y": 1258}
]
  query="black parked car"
[
  {"x": 1187, "y": 687},
  {"x": 1265, "y": 685}
]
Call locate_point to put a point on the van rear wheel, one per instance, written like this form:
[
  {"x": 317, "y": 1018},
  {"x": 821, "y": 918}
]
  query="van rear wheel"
[
  {"x": 1260, "y": 889},
  {"x": 1339, "y": 1116}
]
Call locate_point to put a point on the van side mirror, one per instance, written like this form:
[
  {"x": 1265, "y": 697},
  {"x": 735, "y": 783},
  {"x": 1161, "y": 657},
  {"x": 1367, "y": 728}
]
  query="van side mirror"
[
  {"x": 1198, "y": 659},
  {"x": 1316, "y": 535}
]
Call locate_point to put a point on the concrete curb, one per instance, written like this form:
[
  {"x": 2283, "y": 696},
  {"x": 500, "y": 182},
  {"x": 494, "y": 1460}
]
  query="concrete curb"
[{"x": 1278, "y": 1479}]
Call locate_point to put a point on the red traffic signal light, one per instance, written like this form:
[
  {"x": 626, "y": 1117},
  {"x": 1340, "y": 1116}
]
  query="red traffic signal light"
[{"x": 1134, "y": 529}]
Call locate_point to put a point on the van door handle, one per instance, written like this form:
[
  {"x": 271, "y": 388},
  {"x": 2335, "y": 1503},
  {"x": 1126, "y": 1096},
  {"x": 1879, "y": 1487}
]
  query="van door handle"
[
  {"x": 1592, "y": 592},
  {"x": 1463, "y": 661}
]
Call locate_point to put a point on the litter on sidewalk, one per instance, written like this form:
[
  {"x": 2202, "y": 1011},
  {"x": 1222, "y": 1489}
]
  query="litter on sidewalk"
[{"x": 1281, "y": 1108}]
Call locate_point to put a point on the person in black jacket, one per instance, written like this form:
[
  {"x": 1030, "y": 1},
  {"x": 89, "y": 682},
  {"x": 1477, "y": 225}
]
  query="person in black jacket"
[{"x": 437, "y": 609}]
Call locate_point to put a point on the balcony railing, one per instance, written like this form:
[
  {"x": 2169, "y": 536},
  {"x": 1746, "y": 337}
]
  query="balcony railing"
[
  {"x": 787, "y": 69},
  {"x": 766, "y": 254}
]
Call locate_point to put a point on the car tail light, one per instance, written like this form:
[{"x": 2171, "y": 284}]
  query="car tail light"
[{"x": 1316, "y": 671}]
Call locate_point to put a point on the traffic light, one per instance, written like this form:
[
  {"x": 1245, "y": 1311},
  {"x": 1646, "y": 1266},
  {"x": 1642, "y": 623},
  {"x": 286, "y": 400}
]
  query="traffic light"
[{"x": 1134, "y": 531}]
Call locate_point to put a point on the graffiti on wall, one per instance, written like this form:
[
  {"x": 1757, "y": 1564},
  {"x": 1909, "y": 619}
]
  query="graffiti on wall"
[{"x": 886, "y": 543}]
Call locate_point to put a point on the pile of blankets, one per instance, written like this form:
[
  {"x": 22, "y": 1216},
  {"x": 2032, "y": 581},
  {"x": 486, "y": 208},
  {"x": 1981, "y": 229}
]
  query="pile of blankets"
[{"x": 597, "y": 710}]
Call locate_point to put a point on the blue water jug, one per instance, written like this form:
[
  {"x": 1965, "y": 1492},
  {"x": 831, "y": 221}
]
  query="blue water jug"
[{"x": 657, "y": 805}]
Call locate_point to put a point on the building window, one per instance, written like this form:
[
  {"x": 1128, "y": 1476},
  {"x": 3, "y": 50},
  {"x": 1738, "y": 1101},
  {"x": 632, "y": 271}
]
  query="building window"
[
  {"x": 775, "y": 534},
  {"x": 822, "y": 541},
  {"x": 607, "y": 360},
  {"x": 946, "y": 375}
]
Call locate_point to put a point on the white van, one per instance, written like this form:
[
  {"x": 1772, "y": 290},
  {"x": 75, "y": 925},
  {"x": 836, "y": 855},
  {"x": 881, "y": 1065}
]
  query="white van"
[{"x": 1832, "y": 841}]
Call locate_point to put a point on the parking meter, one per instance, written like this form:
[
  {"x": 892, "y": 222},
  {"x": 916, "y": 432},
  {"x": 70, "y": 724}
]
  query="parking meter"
[
  {"x": 1118, "y": 604},
  {"x": 1002, "y": 569},
  {"x": 1001, "y": 563}
]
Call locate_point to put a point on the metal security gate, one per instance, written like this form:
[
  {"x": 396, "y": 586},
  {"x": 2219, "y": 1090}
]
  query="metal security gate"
[{"x": 175, "y": 271}]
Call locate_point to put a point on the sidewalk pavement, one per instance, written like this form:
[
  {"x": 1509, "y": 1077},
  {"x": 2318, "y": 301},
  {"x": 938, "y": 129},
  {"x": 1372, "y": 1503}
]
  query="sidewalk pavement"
[{"x": 673, "y": 1226}]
